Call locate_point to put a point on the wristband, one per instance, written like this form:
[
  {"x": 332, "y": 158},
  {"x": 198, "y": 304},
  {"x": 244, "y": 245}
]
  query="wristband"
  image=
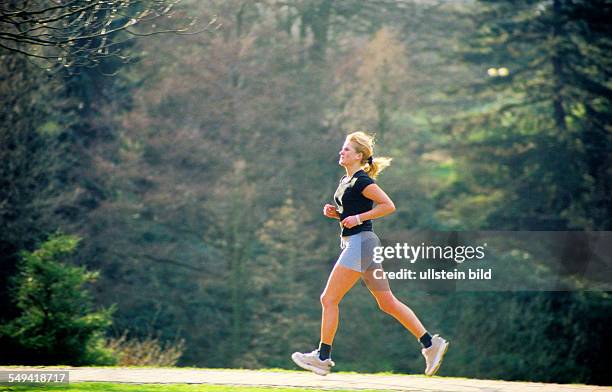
[{"x": 358, "y": 219}]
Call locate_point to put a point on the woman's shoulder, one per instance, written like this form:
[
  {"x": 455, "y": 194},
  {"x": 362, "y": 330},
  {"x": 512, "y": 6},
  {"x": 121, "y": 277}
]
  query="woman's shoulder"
[
  {"x": 362, "y": 180},
  {"x": 361, "y": 175}
]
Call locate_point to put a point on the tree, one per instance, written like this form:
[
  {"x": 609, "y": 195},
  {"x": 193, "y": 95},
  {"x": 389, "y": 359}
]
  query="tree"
[
  {"x": 376, "y": 90},
  {"x": 53, "y": 123},
  {"x": 82, "y": 33},
  {"x": 321, "y": 23},
  {"x": 284, "y": 312},
  {"x": 33, "y": 161},
  {"x": 56, "y": 322},
  {"x": 538, "y": 147}
]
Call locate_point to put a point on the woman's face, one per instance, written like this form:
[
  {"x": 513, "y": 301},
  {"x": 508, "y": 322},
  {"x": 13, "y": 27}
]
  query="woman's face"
[{"x": 348, "y": 155}]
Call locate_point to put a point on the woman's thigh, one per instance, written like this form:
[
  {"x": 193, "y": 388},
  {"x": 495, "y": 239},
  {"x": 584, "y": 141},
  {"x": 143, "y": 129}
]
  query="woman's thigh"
[
  {"x": 376, "y": 281},
  {"x": 339, "y": 283}
]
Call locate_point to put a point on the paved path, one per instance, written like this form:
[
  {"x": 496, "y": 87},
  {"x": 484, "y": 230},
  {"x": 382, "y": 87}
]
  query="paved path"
[{"x": 307, "y": 380}]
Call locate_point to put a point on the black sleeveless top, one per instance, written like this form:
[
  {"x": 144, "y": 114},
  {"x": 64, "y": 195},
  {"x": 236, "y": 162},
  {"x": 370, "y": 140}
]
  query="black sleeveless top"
[{"x": 350, "y": 201}]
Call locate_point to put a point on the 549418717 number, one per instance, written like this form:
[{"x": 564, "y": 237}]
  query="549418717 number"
[{"x": 33, "y": 376}]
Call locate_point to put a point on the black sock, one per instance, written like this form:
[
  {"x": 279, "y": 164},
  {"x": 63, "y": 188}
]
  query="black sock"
[
  {"x": 324, "y": 351},
  {"x": 425, "y": 340}
]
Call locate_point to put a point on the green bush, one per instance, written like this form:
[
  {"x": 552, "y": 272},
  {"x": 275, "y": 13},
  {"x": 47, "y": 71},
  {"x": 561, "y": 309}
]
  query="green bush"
[{"x": 56, "y": 323}]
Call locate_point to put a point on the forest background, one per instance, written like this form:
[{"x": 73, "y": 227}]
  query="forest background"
[{"x": 188, "y": 173}]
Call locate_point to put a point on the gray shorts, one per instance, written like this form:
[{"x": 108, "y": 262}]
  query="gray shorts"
[{"x": 358, "y": 251}]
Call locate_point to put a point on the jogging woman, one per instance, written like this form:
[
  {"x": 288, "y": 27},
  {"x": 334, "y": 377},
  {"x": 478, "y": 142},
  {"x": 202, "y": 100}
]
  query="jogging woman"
[{"x": 355, "y": 198}]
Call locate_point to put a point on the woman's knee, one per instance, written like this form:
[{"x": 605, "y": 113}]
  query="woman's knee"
[
  {"x": 388, "y": 304},
  {"x": 328, "y": 300}
]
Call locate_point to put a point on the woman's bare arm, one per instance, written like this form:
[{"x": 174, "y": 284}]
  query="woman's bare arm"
[{"x": 384, "y": 206}]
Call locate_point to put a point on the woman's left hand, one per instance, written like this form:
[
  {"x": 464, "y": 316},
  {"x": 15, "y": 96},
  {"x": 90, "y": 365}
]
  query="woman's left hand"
[{"x": 350, "y": 221}]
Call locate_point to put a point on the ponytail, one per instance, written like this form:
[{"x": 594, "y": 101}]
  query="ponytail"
[{"x": 377, "y": 165}]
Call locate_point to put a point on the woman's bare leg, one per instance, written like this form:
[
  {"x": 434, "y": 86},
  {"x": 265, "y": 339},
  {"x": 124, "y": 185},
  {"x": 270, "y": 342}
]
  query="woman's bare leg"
[
  {"x": 339, "y": 283},
  {"x": 389, "y": 304}
]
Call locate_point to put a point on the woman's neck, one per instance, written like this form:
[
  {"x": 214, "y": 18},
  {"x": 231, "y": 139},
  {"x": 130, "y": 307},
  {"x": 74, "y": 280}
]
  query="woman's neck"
[{"x": 351, "y": 170}]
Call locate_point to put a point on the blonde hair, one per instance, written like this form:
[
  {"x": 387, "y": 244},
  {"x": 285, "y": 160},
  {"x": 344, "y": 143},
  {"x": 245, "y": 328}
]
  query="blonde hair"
[{"x": 364, "y": 144}]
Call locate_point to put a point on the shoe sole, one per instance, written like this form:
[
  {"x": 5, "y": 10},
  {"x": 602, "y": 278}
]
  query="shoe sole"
[
  {"x": 440, "y": 358},
  {"x": 306, "y": 366}
]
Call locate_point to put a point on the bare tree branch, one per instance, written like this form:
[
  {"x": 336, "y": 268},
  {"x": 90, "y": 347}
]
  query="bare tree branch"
[
  {"x": 25, "y": 53},
  {"x": 84, "y": 32}
]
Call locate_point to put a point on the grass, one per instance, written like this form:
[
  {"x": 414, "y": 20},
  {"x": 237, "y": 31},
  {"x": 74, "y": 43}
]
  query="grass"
[{"x": 112, "y": 387}]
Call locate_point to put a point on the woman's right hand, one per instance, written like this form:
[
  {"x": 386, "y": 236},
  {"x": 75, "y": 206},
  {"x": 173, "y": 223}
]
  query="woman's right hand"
[{"x": 330, "y": 211}]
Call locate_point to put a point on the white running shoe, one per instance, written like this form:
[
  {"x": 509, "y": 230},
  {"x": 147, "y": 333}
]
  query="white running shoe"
[
  {"x": 434, "y": 354},
  {"x": 311, "y": 361}
]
